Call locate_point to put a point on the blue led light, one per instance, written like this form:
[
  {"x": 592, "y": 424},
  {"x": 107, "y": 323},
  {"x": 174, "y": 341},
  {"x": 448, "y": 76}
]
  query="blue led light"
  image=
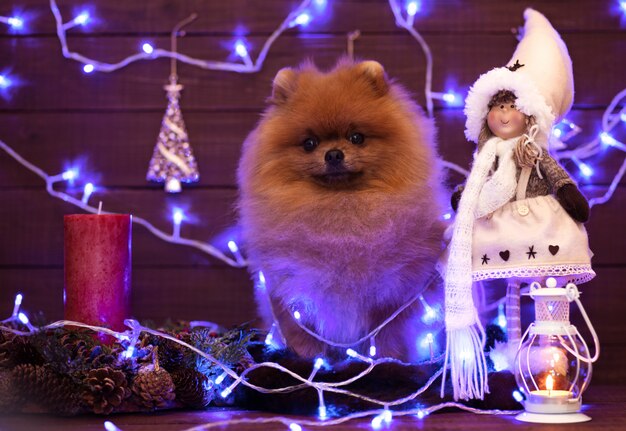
[
  {"x": 387, "y": 416},
  {"x": 449, "y": 97},
  {"x": 220, "y": 379},
  {"x": 128, "y": 353},
  {"x": 70, "y": 174},
  {"x": 319, "y": 363},
  {"x": 5, "y": 82},
  {"x": 82, "y": 19},
  {"x": 585, "y": 169},
  {"x": 518, "y": 396},
  {"x": 225, "y": 393},
  {"x": 16, "y": 22},
  {"x": 18, "y": 299},
  {"x": 23, "y": 318},
  {"x": 240, "y": 49},
  {"x": 297, "y": 315},
  {"x": 295, "y": 427},
  {"x": 321, "y": 412},
  {"x": 88, "y": 68},
  {"x": 88, "y": 189},
  {"x": 372, "y": 351},
  {"x": 303, "y": 20},
  {"x": 413, "y": 7},
  {"x": 608, "y": 139},
  {"x": 110, "y": 426},
  {"x": 232, "y": 246},
  {"x": 178, "y": 216},
  {"x": 351, "y": 353},
  {"x": 147, "y": 48}
]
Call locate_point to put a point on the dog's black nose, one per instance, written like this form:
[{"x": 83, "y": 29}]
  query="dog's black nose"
[{"x": 334, "y": 157}]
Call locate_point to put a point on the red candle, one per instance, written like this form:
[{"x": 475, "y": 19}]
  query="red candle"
[{"x": 98, "y": 269}]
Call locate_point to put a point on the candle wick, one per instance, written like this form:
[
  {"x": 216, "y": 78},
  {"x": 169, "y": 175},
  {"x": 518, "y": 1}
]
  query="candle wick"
[{"x": 99, "y": 207}]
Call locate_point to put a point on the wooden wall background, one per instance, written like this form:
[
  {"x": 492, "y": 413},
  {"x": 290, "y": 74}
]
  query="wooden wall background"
[{"x": 109, "y": 122}]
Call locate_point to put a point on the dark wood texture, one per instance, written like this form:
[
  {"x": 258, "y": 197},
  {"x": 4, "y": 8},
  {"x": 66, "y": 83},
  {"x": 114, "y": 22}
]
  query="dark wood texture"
[
  {"x": 108, "y": 123},
  {"x": 604, "y": 404}
]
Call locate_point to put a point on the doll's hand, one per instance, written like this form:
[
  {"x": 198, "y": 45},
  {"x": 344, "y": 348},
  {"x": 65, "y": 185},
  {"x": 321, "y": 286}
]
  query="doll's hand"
[
  {"x": 573, "y": 201},
  {"x": 456, "y": 197}
]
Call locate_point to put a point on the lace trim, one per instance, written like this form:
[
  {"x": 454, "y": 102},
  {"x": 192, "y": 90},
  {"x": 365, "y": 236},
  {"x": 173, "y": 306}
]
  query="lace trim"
[{"x": 576, "y": 273}]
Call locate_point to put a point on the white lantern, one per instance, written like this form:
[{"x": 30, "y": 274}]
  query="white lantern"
[{"x": 553, "y": 363}]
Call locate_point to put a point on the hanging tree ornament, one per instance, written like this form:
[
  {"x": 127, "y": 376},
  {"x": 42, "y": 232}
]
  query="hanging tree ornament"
[{"x": 173, "y": 161}]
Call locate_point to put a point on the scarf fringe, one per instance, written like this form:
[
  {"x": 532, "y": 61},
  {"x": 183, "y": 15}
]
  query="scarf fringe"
[{"x": 468, "y": 366}]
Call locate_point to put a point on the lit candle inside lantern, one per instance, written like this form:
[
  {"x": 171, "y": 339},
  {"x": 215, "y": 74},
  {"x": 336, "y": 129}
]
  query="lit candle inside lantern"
[
  {"x": 549, "y": 384},
  {"x": 98, "y": 269},
  {"x": 549, "y": 394}
]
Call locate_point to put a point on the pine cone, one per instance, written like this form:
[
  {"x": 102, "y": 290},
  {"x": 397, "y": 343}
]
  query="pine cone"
[
  {"x": 106, "y": 388},
  {"x": 193, "y": 388},
  {"x": 171, "y": 355},
  {"x": 74, "y": 343},
  {"x": 44, "y": 386},
  {"x": 9, "y": 396},
  {"x": 15, "y": 350},
  {"x": 154, "y": 387}
]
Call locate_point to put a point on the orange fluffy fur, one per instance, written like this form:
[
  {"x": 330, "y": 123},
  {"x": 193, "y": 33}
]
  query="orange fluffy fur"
[{"x": 345, "y": 254}]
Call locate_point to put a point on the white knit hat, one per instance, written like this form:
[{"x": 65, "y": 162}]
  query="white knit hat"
[{"x": 544, "y": 85}]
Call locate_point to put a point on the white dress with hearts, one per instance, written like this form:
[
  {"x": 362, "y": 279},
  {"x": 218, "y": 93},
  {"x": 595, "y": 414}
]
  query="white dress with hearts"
[{"x": 531, "y": 239}]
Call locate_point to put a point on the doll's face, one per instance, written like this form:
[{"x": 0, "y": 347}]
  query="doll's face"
[{"x": 505, "y": 121}]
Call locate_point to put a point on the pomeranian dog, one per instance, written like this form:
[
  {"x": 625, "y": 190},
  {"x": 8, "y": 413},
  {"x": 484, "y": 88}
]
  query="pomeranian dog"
[{"x": 340, "y": 208}]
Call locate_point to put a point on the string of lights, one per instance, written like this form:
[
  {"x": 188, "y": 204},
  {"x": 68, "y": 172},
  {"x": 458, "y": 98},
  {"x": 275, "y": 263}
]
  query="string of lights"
[
  {"x": 301, "y": 16},
  {"x": 384, "y": 415},
  {"x": 430, "y": 316},
  {"x": 82, "y": 203}
]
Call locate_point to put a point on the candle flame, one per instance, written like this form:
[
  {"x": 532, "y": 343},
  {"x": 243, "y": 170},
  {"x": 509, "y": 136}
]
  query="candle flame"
[{"x": 549, "y": 383}]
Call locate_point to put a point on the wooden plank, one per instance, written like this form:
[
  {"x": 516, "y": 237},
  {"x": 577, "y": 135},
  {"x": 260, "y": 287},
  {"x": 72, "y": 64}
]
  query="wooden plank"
[
  {"x": 96, "y": 142},
  {"x": 32, "y": 232},
  {"x": 221, "y": 295},
  {"x": 458, "y": 61},
  {"x": 341, "y": 16},
  {"x": 113, "y": 149},
  {"x": 32, "y": 225},
  {"x": 604, "y": 403}
]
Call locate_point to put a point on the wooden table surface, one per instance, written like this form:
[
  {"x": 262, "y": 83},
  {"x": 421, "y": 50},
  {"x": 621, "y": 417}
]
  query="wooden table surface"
[{"x": 605, "y": 404}]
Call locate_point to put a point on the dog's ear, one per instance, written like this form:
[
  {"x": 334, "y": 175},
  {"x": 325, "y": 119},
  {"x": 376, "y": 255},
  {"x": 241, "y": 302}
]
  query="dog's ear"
[
  {"x": 375, "y": 74},
  {"x": 284, "y": 85}
]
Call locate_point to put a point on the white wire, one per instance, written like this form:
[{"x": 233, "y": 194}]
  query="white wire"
[
  {"x": 247, "y": 67},
  {"x": 408, "y": 26},
  {"x": 374, "y": 331}
]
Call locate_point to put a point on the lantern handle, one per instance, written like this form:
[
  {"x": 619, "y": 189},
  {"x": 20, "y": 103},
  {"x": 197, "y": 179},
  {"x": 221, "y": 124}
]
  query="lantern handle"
[{"x": 573, "y": 294}]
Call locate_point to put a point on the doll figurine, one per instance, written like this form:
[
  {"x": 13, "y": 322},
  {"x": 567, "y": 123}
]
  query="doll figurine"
[{"x": 519, "y": 215}]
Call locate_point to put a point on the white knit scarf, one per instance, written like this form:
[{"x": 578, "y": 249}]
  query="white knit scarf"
[{"x": 465, "y": 334}]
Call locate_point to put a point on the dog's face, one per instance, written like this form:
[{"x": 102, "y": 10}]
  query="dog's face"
[{"x": 338, "y": 131}]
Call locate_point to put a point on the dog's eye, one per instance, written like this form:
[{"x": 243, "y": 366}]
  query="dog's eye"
[
  {"x": 357, "y": 138},
  {"x": 310, "y": 144}
]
